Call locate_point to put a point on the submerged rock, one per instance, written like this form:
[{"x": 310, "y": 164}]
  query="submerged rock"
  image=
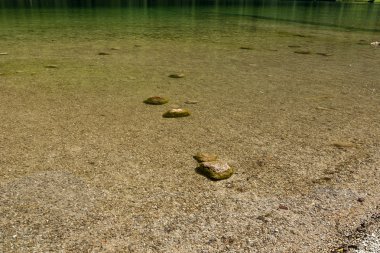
[
  {"x": 176, "y": 113},
  {"x": 156, "y": 100},
  {"x": 3, "y": 53},
  {"x": 51, "y": 66},
  {"x": 205, "y": 157},
  {"x": 180, "y": 75},
  {"x": 340, "y": 144},
  {"x": 191, "y": 102},
  {"x": 302, "y": 52},
  {"x": 215, "y": 170},
  {"x": 324, "y": 54}
]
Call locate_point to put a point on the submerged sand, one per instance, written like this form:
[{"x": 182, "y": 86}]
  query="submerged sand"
[{"x": 86, "y": 166}]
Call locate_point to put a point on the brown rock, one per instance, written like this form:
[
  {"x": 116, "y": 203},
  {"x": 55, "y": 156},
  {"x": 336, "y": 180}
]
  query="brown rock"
[
  {"x": 215, "y": 170},
  {"x": 205, "y": 157},
  {"x": 176, "y": 113},
  {"x": 177, "y": 75}
]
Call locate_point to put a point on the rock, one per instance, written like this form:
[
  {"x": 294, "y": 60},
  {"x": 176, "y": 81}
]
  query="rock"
[
  {"x": 156, "y": 100},
  {"x": 246, "y": 48},
  {"x": 339, "y": 144},
  {"x": 361, "y": 199},
  {"x": 283, "y": 207},
  {"x": 115, "y": 48},
  {"x": 51, "y": 66},
  {"x": 302, "y": 52},
  {"x": 191, "y": 102},
  {"x": 177, "y": 75},
  {"x": 324, "y": 54},
  {"x": 375, "y": 43},
  {"x": 215, "y": 170},
  {"x": 3, "y": 53},
  {"x": 103, "y": 53},
  {"x": 205, "y": 157},
  {"x": 176, "y": 113}
]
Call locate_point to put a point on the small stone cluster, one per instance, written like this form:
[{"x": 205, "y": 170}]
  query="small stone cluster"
[{"x": 208, "y": 164}]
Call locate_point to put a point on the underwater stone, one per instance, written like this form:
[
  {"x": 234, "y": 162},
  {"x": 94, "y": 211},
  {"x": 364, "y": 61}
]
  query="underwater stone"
[
  {"x": 51, "y": 66},
  {"x": 177, "y": 75},
  {"x": 215, "y": 170},
  {"x": 302, "y": 52},
  {"x": 324, "y": 54},
  {"x": 176, "y": 113},
  {"x": 341, "y": 144},
  {"x": 4, "y": 53},
  {"x": 156, "y": 100},
  {"x": 205, "y": 157},
  {"x": 191, "y": 102}
]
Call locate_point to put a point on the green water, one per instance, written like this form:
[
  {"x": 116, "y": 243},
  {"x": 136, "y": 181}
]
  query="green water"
[{"x": 177, "y": 18}]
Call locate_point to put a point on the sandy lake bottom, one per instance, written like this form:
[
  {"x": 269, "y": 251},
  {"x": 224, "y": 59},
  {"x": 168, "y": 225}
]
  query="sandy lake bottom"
[{"x": 86, "y": 166}]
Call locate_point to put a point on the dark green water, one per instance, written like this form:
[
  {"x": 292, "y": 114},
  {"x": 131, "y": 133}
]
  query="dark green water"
[{"x": 355, "y": 16}]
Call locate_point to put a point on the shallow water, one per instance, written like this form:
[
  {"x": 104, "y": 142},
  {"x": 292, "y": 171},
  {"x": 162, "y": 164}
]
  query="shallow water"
[{"x": 288, "y": 94}]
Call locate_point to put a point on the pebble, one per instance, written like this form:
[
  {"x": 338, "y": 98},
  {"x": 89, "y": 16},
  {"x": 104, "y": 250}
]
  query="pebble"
[
  {"x": 215, "y": 170},
  {"x": 324, "y": 54},
  {"x": 177, "y": 75},
  {"x": 205, "y": 157},
  {"x": 343, "y": 144},
  {"x": 302, "y": 52},
  {"x": 283, "y": 207},
  {"x": 3, "y": 53},
  {"x": 176, "y": 113},
  {"x": 156, "y": 100},
  {"x": 361, "y": 199},
  {"x": 191, "y": 102},
  {"x": 51, "y": 66}
]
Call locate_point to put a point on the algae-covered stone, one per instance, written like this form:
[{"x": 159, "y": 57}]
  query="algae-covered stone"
[
  {"x": 215, "y": 170},
  {"x": 205, "y": 157},
  {"x": 176, "y": 113},
  {"x": 177, "y": 75},
  {"x": 156, "y": 100}
]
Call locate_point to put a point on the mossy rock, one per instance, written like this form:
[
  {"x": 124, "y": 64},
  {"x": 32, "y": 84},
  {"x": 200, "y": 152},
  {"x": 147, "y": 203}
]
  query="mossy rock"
[
  {"x": 205, "y": 157},
  {"x": 156, "y": 100},
  {"x": 177, "y": 75},
  {"x": 215, "y": 170},
  {"x": 176, "y": 113}
]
